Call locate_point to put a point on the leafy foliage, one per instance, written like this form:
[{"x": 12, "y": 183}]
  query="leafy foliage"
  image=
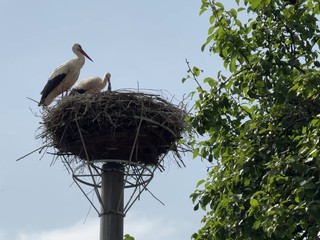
[
  {"x": 261, "y": 123},
  {"x": 128, "y": 237}
]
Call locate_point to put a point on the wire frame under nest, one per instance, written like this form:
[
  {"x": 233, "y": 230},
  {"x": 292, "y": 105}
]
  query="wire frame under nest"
[{"x": 136, "y": 177}]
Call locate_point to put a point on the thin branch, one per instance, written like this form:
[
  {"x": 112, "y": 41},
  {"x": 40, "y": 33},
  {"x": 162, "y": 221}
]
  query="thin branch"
[
  {"x": 194, "y": 77},
  {"x": 222, "y": 84}
]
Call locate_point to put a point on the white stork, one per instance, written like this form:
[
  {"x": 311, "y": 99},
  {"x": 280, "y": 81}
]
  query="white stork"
[
  {"x": 91, "y": 85},
  {"x": 64, "y": 76}
]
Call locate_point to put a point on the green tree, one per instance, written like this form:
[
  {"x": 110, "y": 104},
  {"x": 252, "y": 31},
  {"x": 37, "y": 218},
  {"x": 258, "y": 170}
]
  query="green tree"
[{"x": 261, "y": 123}]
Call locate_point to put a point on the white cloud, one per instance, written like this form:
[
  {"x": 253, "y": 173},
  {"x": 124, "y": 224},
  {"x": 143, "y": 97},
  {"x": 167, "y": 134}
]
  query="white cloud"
[
  {"x": 79, "y": 231},
  {"x": 140, "y": 227}
]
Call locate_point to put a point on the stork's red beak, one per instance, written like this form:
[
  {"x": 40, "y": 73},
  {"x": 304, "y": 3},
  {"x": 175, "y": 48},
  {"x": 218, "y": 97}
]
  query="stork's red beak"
[{"x": 85, "y": 54}]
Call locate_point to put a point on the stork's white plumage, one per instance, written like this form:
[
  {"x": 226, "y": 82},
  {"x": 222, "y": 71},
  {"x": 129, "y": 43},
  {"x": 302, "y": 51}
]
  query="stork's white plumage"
[
  {"x": 64, "y": 76},
  {"x": 91, "y": 85}
]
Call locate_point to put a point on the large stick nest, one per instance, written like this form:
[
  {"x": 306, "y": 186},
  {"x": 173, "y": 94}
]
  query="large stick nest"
[{"x": 130, "y": 126}]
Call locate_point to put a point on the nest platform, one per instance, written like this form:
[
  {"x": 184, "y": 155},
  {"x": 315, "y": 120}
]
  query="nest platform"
[{"x": 131, "y": 126}]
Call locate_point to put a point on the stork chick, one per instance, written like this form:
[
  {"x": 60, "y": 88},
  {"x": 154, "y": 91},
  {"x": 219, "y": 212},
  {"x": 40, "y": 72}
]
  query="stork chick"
[{"x": 91, "y": 85}]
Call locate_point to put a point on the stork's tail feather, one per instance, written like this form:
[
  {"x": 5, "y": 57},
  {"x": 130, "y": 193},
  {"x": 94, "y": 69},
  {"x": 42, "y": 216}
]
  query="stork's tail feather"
[{"x": 42, "y": 100}]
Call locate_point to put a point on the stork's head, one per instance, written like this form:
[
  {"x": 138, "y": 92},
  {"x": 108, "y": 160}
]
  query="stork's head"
[
  {"x": 78, "y": 49},
  {"x": 107, "y": 77}
]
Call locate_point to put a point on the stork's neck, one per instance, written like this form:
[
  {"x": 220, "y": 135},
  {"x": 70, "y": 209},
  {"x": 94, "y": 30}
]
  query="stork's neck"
[
  {"x": 80, "y": 58},
  {"x": 105, "y": 81}
]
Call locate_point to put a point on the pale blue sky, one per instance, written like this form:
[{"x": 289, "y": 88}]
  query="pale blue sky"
[{"x": 136, "y": 41}]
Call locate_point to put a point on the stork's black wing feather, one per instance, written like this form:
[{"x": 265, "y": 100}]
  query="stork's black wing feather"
[
  {"x": 51, "y": 84},
  {"x": 75, "y": 91}
]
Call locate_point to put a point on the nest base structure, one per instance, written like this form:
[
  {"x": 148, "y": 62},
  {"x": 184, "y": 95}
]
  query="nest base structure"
[
  {"x": 136, "y": 174},
  {"x": 132, "y": 130}
]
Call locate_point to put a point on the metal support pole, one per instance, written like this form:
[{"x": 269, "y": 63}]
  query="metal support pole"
[{"x": 112, "y": 191}]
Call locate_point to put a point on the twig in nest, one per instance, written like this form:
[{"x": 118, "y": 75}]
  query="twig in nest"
[
  {"x": 28, "y": 154},
  {"x": 33, "y": 100}
]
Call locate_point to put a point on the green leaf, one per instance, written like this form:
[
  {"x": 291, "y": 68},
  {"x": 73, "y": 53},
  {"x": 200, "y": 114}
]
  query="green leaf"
[
  {"x": 196, "y": 207},
  {"x": 200, "y": 183},
  {"x": 256, "y": 224},
  {"x": 195, "y": 152},
  {"x": 255, "y": 4},
  {"x": 212, "y": 19},
  {"x": 232, "y": 66},
  {"x": 254, "y": 202},
  {"x": 196, "y": 71},
  {"x": 212, "y": 83},
  {"x": 220, "y": 5},
  {"x": 183, "y": 80},
  {"x": 233, "y": 13}
]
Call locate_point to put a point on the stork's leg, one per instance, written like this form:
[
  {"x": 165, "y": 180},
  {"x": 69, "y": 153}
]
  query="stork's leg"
[{"x": 64, "y": 93}]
